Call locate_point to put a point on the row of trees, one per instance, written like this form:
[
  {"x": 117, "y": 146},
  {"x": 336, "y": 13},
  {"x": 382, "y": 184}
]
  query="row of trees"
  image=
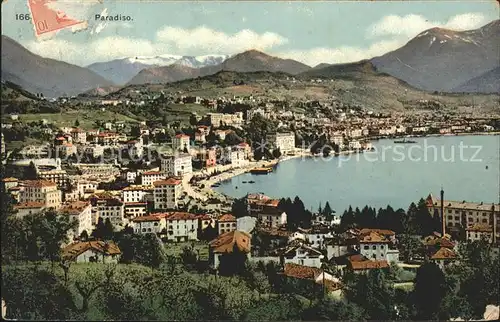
[{"x": 416, "y": 221}]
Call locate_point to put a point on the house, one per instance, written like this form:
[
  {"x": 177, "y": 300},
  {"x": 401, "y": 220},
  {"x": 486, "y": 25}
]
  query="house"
[
  {"x": 106, "y": 206},
  {"x": 301, "y": 254},
  {"x": 479, "y": 231},
  {"x": 81, "y": 212},
  {"x": 78, "y": 135},
  {"x": 167, "y": 193},
  {"x": 149, "y": 177},
  {"x": 365, "y": 265},
  {"x": 154, "y": 223},
  {"x": 92, "y": 252},
  {"x": 28, "y": 208},
  {"x": 317, "y": 235},
  {"x": 314, "y": 275},
  {"x": 181, "y": 226},
  {"x": 199, "y": 137},
  {"x": 60, "y": 177},
  {"x": 285, "y": 142},
  {"x": 207, "y": 158},
  {"x": 43, "y": 191},
  {"x": 443, "y": 256},
  {"x": 177, "y": 164},
  {"x": 226, "y": 223},
  {"x": 180, "y": 142},
  {"x": 274, "y": 218},
  {"x": 226, "y": 244},
  {"x": 375, "y": 246},
  {"x": 9, "y": 183}
]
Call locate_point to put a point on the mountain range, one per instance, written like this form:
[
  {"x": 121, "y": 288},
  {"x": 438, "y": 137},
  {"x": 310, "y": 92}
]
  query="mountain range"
[
  {"x": 43, "y": 75},
  {"x": 121, "y": 71},
  {"x": 248, "y": 61},
  {"x": 435, "y": 60},
  {"x": 443, "y": 60}
]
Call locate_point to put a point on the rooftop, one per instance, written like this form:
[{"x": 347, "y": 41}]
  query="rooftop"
[
  {"x": 38, "y": 183},
  {"x": 167, "y": 182},
  {"x": 444, "y": 253},
  {"x": 227, "y": 217},
  {"x": 368, "y": 264},
  {"x": 74, "y": 208},
  {"x": 226, "y": 242},
  {"x": 73, "y": 250}
]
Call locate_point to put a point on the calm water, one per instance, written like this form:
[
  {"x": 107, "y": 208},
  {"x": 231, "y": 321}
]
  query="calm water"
[{"x": 394, "y": 174}]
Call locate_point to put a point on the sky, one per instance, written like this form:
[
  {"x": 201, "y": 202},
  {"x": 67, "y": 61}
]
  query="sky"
[{"x": 311, "y": 32}]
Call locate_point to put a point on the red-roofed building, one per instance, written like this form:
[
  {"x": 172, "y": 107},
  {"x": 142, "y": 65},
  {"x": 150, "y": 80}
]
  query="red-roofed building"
[
  {"x": 167, "y": 193},
  {"x": 182, "y": 226},
  {"x": 43, "y": 191},
  {"x": 154, "y": 223},
  {"x": 79, "y": 135},
  {"x": 106, "y": 206}
]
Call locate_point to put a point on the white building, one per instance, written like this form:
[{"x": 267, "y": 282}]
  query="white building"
[
  {"x": 167, "y": 193},
  {"x": 81, "y": 212},
  {"x": 302, "y": 255},
  {"x": 285, "y": 142},
  {"x": 272, "y": 219},
  {"x": 149, "y": 177},
  {"x": 182, "y": 226},
  {"x": 92, "y": 252},
  {"x": 79, "y": 135},
  {"x": 136, "y": 193},
  {"x": 375, "y": 246},
  {"x": 354, "y": 145},
  {"x": 177, "y": 165},
  {"x": 150, "y": 224}
]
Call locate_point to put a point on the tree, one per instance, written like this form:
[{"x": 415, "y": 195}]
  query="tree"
[
  {"x": 232, "y": 263},
  {"x": 189, "y": 257},
  {"x": 84, "y": 236},
  {"x": 374, "y": 292},
  {"x": 99, "y": 231},
  {"x": 77, "y": 123},
  {"x": 239, "y": 207},
  {"x": 283, "y": 308},
  {"x": 276, "y": 153},
  {"x": 327, "y": 211},
  {"x": 347, "y": 220},
  {"x": 333, "y": 310},
  {"x": 409, "y": 246},
  {"x": 31, "y": 172},
  {"x": 108, "y": 230},
  {"x": 430, "y": 289}
]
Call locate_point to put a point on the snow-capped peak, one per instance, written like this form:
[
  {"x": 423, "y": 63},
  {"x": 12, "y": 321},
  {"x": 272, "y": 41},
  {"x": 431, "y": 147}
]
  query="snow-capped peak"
[{"x": 189, "y": 61}]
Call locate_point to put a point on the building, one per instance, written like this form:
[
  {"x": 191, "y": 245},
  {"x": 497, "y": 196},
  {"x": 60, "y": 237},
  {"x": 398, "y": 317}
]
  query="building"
[
  {"x": 181, "y": 226},
  {"x": 155, "y": 223},
  {"x": 135, "y": 209},
  {"x": 226, "y": 223},
  {"x": 9, "y": 183},
  {"x": 273, "y": 218},
  {"x": 285, "y": 142},
  {"x": 149, "y": 177},
  {"x": 106, "y": 206},
  {"x": 463, "y": 214},
  {"x": 443, "y": 256},
  {"x": 301, "y": 254},
  {"x": 60, "y": 177},
  {"x": 28, "y": 208},
  {"x": 167, "y": 193},
  {"x": 137, "y": 193},
  {"x": 479, "y": 231},
  {"x": 79, "y": 135},
  {"x": 219, "y": 119},
  {"x": 207, "y": 158},
  {"x": 180, "y": 142},
  {"x": 81, "y": 212},
  {"x": 226, "y": 244},
  {"x": 375, "y": 246},
  {"x": 177, "y": 165},
  {"x": 92, "y": 252},
  {"x": 42, "y": 191}
]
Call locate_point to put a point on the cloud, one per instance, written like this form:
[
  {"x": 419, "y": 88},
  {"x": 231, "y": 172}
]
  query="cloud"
[
  {"x": 213, "y": 41},
  {"x": 343, "y": 54},
  {"x": 169, "y": 40},
  {"x": 411, "y": 25}
]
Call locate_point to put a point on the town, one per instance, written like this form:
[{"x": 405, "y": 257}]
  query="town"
[{"x": 150, "y": 178}]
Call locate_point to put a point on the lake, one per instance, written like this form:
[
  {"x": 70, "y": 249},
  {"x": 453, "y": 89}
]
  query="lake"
[{"x": 467, "y": 167}]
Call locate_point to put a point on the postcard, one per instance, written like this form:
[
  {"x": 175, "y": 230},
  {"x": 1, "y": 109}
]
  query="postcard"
[{"x": 250, "y": 160}]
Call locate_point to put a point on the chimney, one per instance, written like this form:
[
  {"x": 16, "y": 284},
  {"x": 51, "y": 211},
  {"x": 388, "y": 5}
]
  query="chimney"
[{"x": 442, "y": 212}]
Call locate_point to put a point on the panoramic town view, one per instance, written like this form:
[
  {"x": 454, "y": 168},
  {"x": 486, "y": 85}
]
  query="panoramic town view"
[{"x": 264, "y": 161}]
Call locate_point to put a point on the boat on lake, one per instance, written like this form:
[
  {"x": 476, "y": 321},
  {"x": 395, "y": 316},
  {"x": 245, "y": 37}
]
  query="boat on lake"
[
  {"x": 404, "y": 141},
  {"x": 263, "y": 170}
]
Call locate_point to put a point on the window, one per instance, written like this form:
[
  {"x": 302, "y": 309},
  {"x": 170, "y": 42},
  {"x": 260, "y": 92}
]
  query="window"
[
  {"x": 457, "y": 218},
  {"x": 374, "y": 247},
  {"x": 485, "y": 220},
  {"x": 366, "y": 247},
  {"x": 449, "y": 211},
  {"x": 470, "y": 219}
]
